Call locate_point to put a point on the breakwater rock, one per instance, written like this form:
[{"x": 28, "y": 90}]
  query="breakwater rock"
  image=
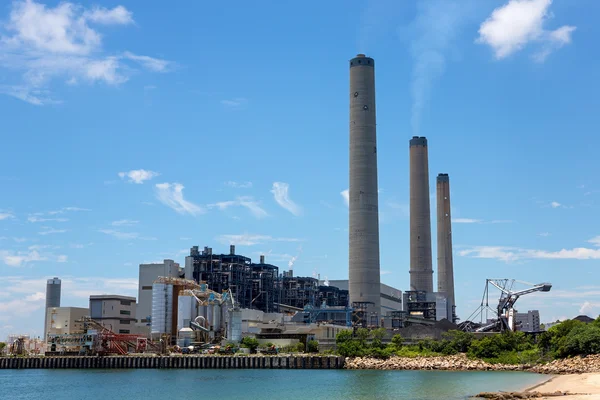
[
  {"x": 520, "y": 395},
  {"x": 461, "y": 362}
]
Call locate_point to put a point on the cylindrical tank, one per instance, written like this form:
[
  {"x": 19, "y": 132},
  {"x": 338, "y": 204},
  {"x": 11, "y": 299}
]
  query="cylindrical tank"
[
  {"x": 209, "y": 315},
  {"x": 162, "y": 308},
  {"x": 184, "y": 311},
  {"x": 216, "y": 317}
]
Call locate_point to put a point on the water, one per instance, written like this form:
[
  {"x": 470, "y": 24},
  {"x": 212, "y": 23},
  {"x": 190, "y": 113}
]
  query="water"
[{"x": 255, "y": 384}]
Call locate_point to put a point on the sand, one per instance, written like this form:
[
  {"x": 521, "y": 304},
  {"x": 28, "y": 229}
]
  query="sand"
[{"x": 576, "y": 383}]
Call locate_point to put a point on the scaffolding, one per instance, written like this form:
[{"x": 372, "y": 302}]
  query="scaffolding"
[
  {"x": 223, "y": 272},
  {"x": 332, "y": 296},
  {"x": 264, "y": 282}
]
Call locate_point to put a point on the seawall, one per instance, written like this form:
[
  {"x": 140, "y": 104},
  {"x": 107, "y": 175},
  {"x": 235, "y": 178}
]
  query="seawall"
[{"x": 170, "y": 362}]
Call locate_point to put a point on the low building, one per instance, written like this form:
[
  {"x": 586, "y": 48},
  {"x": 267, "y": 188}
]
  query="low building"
[
  {"x": 114, "y": 312},
  {"x": 65, "y": 320}
]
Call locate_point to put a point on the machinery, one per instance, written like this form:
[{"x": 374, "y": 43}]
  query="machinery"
[{"x": 505, "y": 312}]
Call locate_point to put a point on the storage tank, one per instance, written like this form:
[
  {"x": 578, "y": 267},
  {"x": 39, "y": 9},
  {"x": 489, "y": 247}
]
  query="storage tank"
[
  {"x": 185, "y": 305},
  {"x": 185, "y": 337},
  {"x": 162, "y": 308},
  {"x": 216, "y": 317}
]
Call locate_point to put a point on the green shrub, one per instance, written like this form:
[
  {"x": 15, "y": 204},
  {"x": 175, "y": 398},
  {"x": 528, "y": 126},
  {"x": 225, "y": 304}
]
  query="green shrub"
[
  {"x": 313, "y": 346},
  {"x": 250, "y": 343}
]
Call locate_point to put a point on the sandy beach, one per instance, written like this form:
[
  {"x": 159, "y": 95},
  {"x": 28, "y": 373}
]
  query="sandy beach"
[{"x": 576, "y": 383}]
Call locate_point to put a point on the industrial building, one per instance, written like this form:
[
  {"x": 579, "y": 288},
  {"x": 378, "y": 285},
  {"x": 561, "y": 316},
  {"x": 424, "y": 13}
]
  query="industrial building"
[
  {"x": 53, "y": 287},
  {"x": 445, "y": 273},
  {"x": 148, "y": 273},
  {"x": 528, "y": 322},
  {"x": 298, "y": 291},
  {"x": 390, "y": 298},
  {"x": 114, "y": 312},
  {"x": 64, "y": 320},
  {"x": 421, "y": 270},
  {"x": 363, "y": 201}
]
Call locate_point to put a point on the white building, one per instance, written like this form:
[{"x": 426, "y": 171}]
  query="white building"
[
  {"x": 64, "y": 320},
  {"x": 114, "y": 312},
  {"x": 148, "y": 274},
  {"x": 529, "y": 321}
]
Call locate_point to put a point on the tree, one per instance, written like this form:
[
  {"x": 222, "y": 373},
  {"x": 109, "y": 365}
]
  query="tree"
[
  {"x": 250, "y": 343},
  {"x": 313, "y": 346},
  {"x": 2, "y": 346}
]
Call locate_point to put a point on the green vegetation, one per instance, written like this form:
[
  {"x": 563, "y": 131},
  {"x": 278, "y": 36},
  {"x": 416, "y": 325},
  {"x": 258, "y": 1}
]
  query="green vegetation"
[
  {"x": 567, "y": 339},
  {"x": 312, "y": 346},
  {"x": 2, "y": 346},
  {"x": 249, "y": 343}
]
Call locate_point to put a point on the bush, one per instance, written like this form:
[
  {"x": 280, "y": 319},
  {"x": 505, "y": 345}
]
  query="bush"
[
  {"x": 312, "y": 346},
  {"x": 250, "y": 343},
  {"x": 581, "y": 340}
]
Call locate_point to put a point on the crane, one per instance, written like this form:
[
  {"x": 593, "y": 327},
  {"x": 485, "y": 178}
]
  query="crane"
[{"x": 505, "y": 312}]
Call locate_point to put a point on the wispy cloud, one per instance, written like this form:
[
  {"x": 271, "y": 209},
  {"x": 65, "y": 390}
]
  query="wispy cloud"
[
  {"x": 514, "y": 25},
  {"x": 544, "y": 234},
  {"x": 33, "y": 218},
  {"x": 243, "y": 201},
  {"x": 281, "y": 194},
  {"x": 17, "y": 259},
  {"x": 43, "y": 44},
  {"x": 62, "y": 211},
  {"x": 124, "y": 222},
  {"x": 120, "y": 235},
  {"x": 511, "y": 254},
  {"x": 51, "y": 231},
  {"x": 466, "y": 221},
  {"x": 62, "y": 258},
  {"x": 6, "y": 215},
  {"x": 247, "y": 239},
  {"x": 555, "y": 204},
  {"x": 346, "y": 197},
  {"x": 238, "y": 185},
  {"x": 595, "y": 241},
  {"x": 235, "y": 103},
  {"x": 138, "y": 176},
  {"x": 171, "y": 195}
]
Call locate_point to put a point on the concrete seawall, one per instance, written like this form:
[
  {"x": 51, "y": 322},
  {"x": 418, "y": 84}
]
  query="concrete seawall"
[{"x": 180, "y": 362}]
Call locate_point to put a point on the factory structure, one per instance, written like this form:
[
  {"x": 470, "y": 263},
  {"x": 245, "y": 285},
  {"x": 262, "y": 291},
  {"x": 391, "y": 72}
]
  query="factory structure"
[{"x": 222, "y": 297}]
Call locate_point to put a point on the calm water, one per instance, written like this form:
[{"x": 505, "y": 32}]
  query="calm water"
[{"x": 254, "y": 384}]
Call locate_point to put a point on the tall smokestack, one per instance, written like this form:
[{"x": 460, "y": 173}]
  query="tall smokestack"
[
  {"x": 364, "y": 279},
  {"x": 52, "y": 299},
  {"x": 421, "y": 272},
  {"x": 444, "y": 242}
]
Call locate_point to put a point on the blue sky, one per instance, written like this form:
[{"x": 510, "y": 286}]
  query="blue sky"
[{"x": 131, "y": 133}]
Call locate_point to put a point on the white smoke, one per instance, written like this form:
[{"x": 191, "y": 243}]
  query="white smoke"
[
  {"x": 326, "y": 283},
  {"x": 435, "y": 27},
  {"x": 294, "y": 258}
]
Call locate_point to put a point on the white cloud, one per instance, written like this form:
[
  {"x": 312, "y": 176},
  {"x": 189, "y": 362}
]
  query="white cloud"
[
  {"x": 346, "y": 196},
  {"x": 171, "y": 195},
  {"x": 466, "y": 221},
  {"x": 6, "y": 216},
  {"x": 118, "y": 15},
  {"x": 555, "y": 204},
  {"x": 595, "y": 241},
  {"x": 510, "y": 254},
  {"x": 51, "y": 231},
  {"x": 247, "y": 239},
  {"x": 120, "y": 235},
  {"x": 502, "y": 221},
  {"x": 385, "y": 272},
  {"x": 544, "y": 234},
  {"x": 234, "y": 103},
  {"x": 280, "y": 193},
  {"x": 586, "y": 307},
  {"x": 62, "y": 258},
  {"x": 46, "y": 43},
  {"x": 243, "y": 201},
  {"x": 13, "y": 259},
  {"x": 33, "y": 218},
  {"x": 238, "y": 185},
  {"x": 519, "y": 22},
  {"x": 124, "y": 222},
  {"x": 153, "y": 64},
  {"x": 138, "y": 176}
]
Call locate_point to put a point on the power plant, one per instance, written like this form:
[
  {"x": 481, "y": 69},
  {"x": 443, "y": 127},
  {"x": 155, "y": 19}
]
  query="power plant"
[
  {"x": 364, "y": 274},
  {"x": 445, "y": 273}
]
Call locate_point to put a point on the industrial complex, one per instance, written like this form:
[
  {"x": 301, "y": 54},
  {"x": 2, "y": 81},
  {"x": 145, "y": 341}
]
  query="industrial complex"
[{"x": 217, "y": 299}]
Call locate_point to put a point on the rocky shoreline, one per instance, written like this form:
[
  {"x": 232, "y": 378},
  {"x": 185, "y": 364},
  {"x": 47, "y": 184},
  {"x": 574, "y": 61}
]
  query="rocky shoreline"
[{"x": 461, "y": 362}]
